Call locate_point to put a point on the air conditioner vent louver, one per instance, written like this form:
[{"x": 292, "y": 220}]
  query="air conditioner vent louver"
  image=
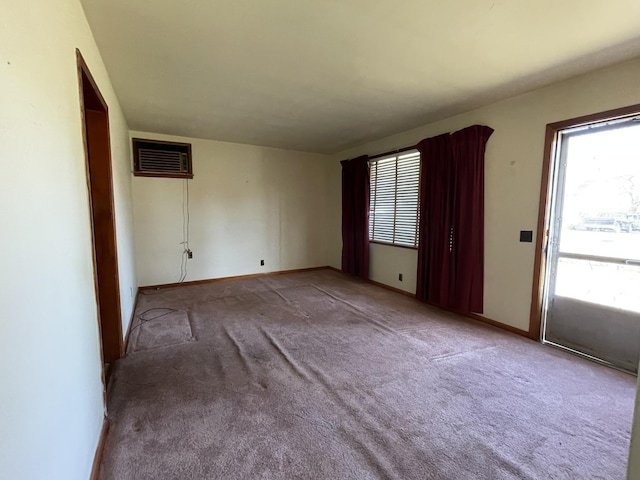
[{"x": 162, "y": 159}]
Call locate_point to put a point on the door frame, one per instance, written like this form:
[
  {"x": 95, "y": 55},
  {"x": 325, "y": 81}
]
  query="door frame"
[
  {"x": 105, "y": 266},
  {"x": 544, "y": 209}
]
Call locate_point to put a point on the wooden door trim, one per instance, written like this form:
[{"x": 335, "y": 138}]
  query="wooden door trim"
[
  {"x": 551, "y": 135},
  {"x": 101, "y": 106},
  {"x": 83, "y": 68}
]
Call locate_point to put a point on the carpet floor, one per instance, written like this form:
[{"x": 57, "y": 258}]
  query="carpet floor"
[{"x": 318, "y": 375}]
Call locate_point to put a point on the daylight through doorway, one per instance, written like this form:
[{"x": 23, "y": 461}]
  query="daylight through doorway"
[{"x": 591, "y": 303}]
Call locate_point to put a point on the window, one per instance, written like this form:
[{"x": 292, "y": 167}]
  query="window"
[{"x": 395, "y": 183}]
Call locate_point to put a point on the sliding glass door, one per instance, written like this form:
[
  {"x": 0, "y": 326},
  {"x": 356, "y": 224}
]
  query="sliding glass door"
[{"x": 592, "y": 285}]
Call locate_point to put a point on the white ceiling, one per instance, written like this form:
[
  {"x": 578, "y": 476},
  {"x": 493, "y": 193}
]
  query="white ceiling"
[{"x": 324, "y": 75}]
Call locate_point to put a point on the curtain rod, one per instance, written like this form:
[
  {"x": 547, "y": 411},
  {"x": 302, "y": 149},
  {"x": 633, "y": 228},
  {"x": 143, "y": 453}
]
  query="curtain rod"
[{"x": 391, "y": 152}]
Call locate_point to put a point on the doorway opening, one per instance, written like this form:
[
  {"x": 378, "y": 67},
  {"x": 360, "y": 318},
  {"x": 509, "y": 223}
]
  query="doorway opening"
[
  {"x": 588, "y": 265},
  {"x": 95, "y": 130}
]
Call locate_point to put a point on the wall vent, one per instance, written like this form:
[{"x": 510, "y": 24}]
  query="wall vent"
[{"x": 155, "y": 158}]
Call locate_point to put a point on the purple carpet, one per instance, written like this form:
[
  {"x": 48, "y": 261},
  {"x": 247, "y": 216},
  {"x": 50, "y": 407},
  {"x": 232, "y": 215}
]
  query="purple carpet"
[{"x": 317, "y": 375}]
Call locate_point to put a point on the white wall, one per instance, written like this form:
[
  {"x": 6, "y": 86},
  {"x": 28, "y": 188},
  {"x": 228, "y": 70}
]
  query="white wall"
[
  {"x": 513, "y": 168},
  {"x": 51, "y": 392},
  {"x": 246, "y": 203},
  {"x": 388, "y": 261},
  {"x": 123, "y": 200}
]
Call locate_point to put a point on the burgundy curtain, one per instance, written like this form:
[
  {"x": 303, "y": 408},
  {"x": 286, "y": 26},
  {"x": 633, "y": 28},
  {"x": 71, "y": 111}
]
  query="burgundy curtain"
[
  {"x": 436, "y": 183},
  {"x": 355, "y": 216},
  {"x": 468, "y": 147},
  {"x": 451, "y": 246}
]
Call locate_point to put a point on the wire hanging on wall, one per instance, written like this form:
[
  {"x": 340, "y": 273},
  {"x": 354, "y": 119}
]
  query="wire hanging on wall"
[{"x": 185, "y": 231}]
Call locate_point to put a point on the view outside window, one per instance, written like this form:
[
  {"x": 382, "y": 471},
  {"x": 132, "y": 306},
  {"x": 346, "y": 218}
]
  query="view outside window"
[{"x": 601, "y": 218}]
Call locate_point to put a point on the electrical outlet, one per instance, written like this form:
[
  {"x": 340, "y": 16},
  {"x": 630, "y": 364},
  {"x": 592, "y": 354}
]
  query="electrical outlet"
[
  {"x": 400, "y": 276},
  {"x": 526, "y": 236},
  {"x": 189, "y": 254},
  {"x": 262, "y": 263}
]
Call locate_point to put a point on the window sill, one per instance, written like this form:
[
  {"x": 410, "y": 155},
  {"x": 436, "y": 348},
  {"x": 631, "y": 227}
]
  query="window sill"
[
  {"x": 163, "y": 175},
  {"x": 393, "y": 245}
]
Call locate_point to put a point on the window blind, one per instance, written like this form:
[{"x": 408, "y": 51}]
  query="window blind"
[{"x": 395, "y": 183}]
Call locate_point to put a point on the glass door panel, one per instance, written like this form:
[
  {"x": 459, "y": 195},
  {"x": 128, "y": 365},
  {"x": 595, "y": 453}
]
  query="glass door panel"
[{"x": 592, "y": 289}]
